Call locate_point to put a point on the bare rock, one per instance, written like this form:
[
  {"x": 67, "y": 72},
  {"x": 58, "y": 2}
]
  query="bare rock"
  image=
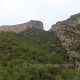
[
  {"x": 22, "y": 27},
  {"x": 69, "y": 33}
]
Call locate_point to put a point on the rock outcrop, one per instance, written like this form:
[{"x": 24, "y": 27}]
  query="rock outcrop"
[
  {"x": 69, "y": 33},
  {"x": 22, "y": 27}
]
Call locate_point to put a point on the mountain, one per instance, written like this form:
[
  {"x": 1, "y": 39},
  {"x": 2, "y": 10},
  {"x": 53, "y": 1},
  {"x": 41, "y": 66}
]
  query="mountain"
[
  {"x": 22, "y": 27},
  {"x": 19, "y": 53},
  {"x": 28, "y": 52},
  {"x": 69, "y": 33}
]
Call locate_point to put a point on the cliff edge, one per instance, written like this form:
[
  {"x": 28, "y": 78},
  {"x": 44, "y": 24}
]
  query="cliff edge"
[{"x": 22, "y": 27}]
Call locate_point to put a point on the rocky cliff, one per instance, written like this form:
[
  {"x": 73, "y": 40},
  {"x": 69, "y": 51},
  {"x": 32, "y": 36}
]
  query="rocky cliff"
[
  {"x": 69, "y": 33},
  {"x": 22, "y": 27}
]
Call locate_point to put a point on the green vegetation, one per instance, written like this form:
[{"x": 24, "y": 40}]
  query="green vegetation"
[{"x": 23, "y": 55}]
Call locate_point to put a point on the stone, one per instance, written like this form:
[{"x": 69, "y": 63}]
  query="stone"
[
  {"x": 68, "y": 32},
  {"x": 22, "y": 27}
]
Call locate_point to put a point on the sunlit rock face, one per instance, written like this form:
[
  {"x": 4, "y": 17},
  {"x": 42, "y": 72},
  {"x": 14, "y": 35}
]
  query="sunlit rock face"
[
  {"x": 22, "y": 27},
  {"x": 69, "y": 33}
]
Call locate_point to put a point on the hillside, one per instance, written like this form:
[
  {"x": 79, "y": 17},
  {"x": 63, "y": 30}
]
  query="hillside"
[
  {"x": 20, "y": 52},
  {"x": 69, "y": 33},
  {"x": 27, "y": 52}
]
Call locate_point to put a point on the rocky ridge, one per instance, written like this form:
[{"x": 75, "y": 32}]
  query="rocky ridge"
[
  {"x": 22, "y": 27},
  {"x": 69, "y": 33}
]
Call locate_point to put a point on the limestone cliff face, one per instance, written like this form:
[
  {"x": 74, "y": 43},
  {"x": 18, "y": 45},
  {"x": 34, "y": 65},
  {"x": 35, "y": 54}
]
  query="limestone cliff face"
[
  {"x": 69, "y": 33},
  {"x": 22, "y": 27},
  {"x": 36, "y": 24}
]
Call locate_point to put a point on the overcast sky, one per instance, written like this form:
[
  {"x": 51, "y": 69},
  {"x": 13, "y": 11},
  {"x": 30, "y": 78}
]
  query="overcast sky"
[{"x": 47, "y": 11}]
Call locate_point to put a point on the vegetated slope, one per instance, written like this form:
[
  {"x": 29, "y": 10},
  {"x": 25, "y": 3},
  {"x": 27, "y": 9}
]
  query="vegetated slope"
[
  {"x": 69, "y": 33},
  {"x": 20, "y": 53},
  {"x": 48, "y": 40}
]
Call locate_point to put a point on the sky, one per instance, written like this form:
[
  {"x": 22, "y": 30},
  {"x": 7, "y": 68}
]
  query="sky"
[{"x": 48, "y": 11}]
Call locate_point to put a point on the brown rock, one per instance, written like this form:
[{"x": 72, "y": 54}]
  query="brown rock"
[{"x": 22, "y": 27}]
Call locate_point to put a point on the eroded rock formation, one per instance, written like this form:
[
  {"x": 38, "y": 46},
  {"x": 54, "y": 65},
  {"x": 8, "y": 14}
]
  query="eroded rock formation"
[
  {"x": 22, "y": 27},
  {"x": 69, "y": 33}
]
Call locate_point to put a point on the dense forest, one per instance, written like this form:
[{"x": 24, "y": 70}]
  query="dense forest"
[{"x": 35, "y": 55}]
